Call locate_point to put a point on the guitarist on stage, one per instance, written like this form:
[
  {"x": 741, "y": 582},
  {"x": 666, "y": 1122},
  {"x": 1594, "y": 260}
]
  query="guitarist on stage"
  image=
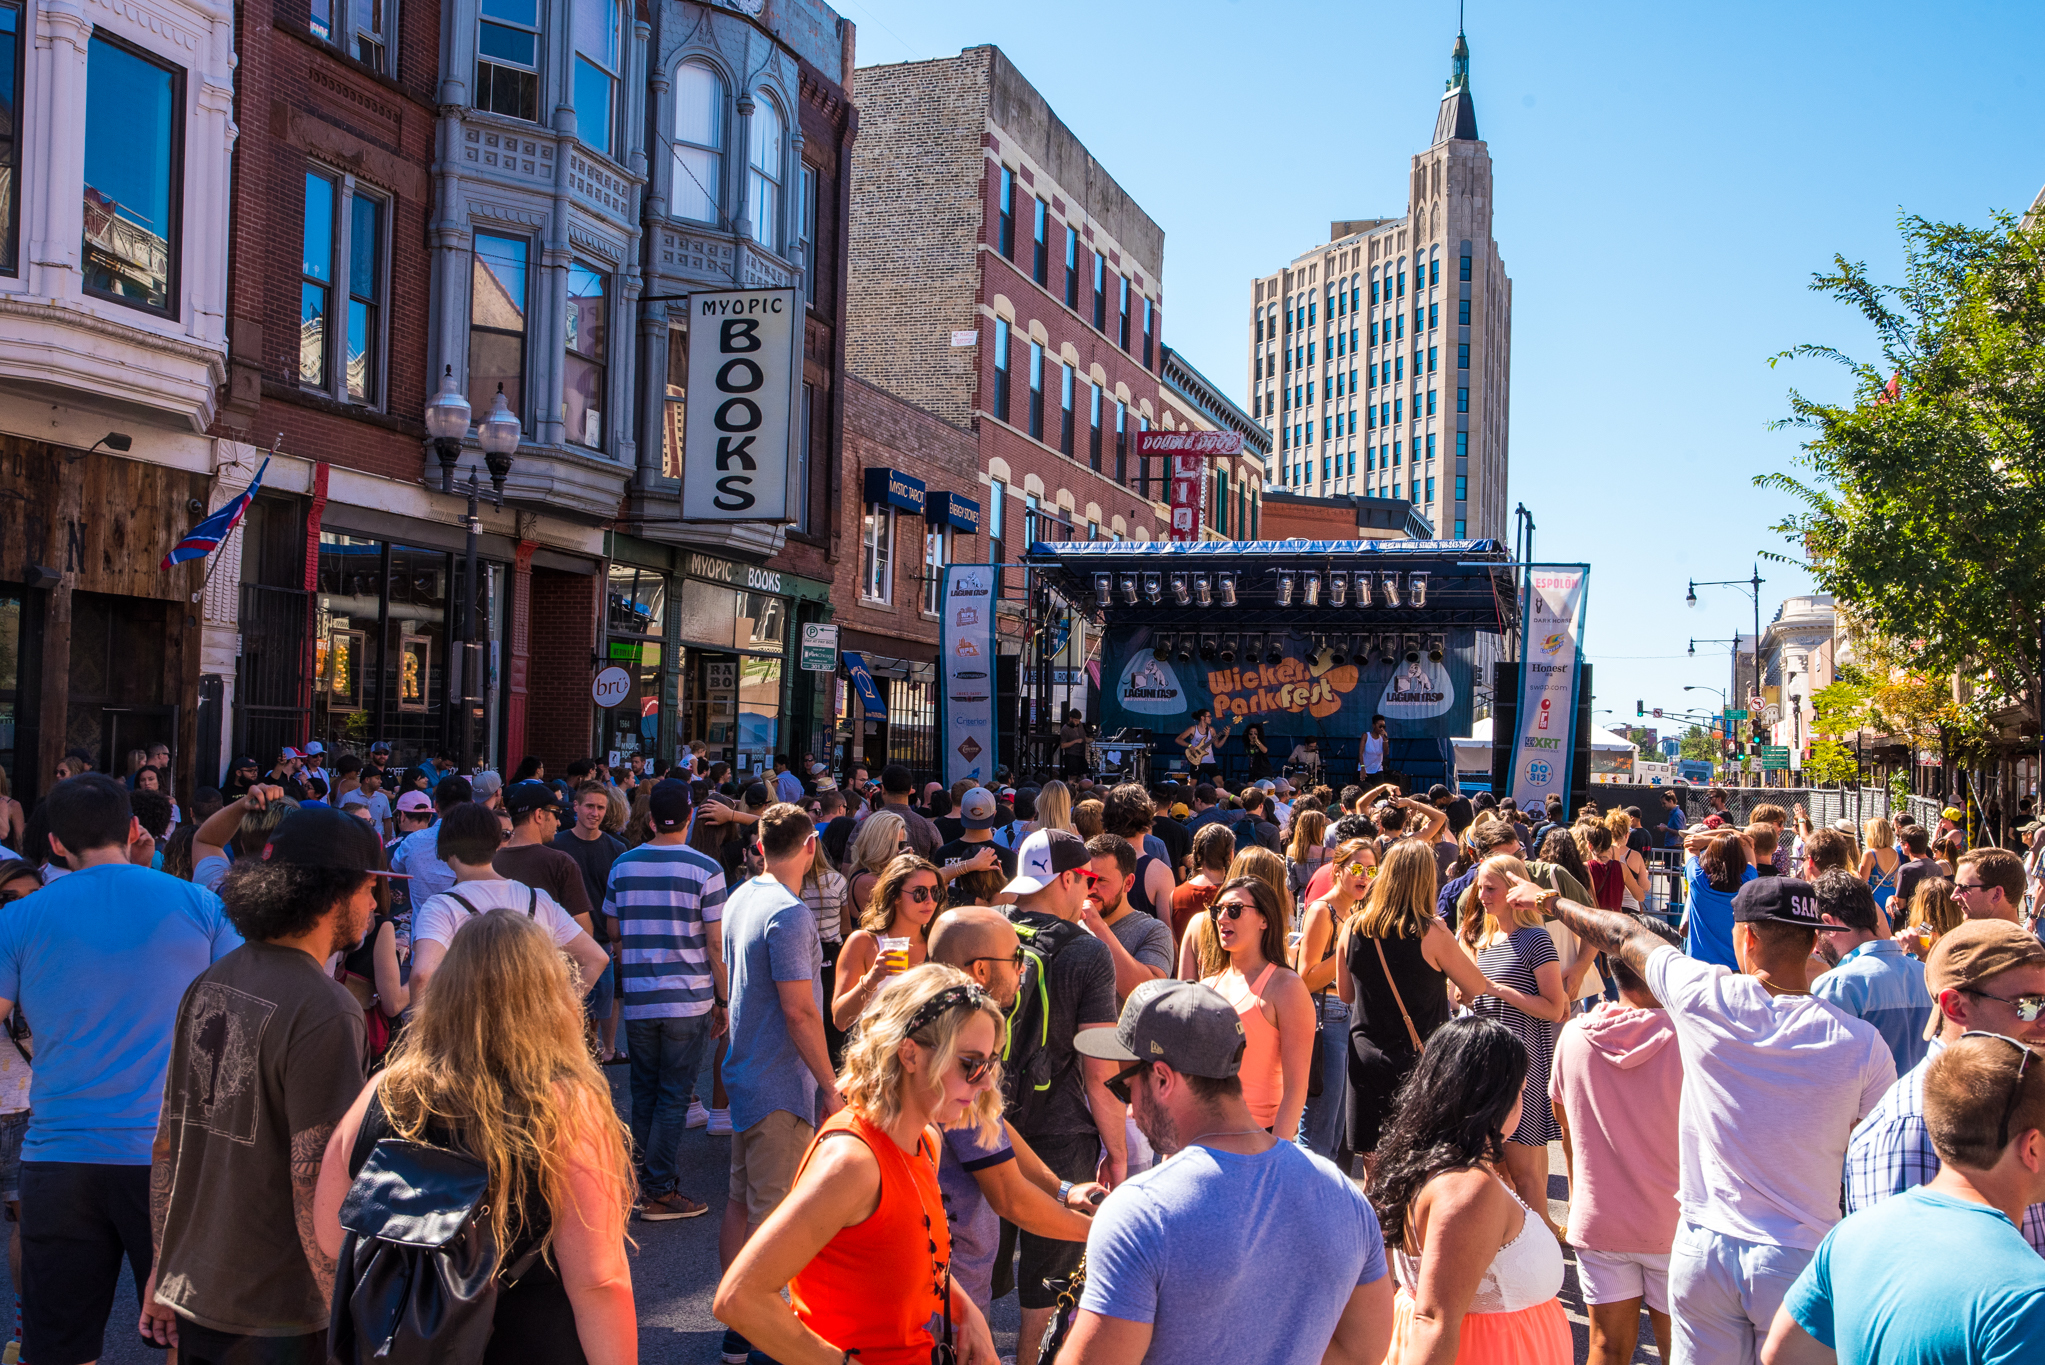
[{"x": 1200, "y": 742}]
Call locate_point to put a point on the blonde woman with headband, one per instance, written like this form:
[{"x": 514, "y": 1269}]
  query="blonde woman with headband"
[
  {"x": 493, "y": 1068},
  {"x": 861, "y": 1241}
]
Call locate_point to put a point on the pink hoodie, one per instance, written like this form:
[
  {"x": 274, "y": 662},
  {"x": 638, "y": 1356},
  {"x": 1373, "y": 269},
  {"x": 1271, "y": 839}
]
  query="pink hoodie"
[{"x": 1617, "y": 1078}]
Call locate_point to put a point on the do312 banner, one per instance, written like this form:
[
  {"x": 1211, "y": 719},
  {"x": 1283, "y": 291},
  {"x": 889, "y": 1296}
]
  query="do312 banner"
[
  {"x": 1544, "y": 739},
  {"x": 966, "y": 652}
]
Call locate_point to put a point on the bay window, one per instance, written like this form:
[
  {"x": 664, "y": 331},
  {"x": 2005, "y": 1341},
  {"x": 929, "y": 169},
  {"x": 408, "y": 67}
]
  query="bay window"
[
  {"x": 10, "y": 137},
  {"x": 508, "y": 59},
  {"x": 133, "y": 153},
  {"x": 763, "y": 179},
  {"x": 497, "y": 313},
  {"x": 596, "y": 26},
  {"x": 582, "y": 394},
  {"x": 697, "y": 189}
]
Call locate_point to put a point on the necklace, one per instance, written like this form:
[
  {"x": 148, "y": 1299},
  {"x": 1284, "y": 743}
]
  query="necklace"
[{"x": 1233, "y": 1132}]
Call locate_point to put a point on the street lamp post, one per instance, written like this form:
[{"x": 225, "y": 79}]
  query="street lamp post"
[
  {"x": 1752, "y": 587},
  {"x": 447, "y": 422}
]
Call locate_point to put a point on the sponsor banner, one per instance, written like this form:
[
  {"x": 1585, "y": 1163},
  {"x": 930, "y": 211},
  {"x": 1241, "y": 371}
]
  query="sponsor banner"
[
  {"x": 1300, "y": 695},
  {"x": 745, "y": 381},
  {"x": 1545, "y": 739},
  {"x": 966, "y": 653}
]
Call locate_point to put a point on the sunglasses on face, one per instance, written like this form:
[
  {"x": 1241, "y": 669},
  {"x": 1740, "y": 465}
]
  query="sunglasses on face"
[
  {"x": 1118, "y": 1084},
  {"x": 1015, "y": 959},
  {"x": 921, "y": 895},
  {"x": 2025, "y": 1007},
  {"x": 1092, "y": 879},
  {"x": 1359, "y": 869},
  {"x": 975, "y": 1069},
  {"x": 1232, "y": 909}
]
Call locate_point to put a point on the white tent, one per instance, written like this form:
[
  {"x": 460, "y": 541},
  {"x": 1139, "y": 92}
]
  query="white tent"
[{"x": 1474, "y": 754}]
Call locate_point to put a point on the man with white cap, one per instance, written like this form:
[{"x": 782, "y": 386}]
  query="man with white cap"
[
  {"x": 1057, "y": 1099},
  {"x": 1242, "y": 1248}
]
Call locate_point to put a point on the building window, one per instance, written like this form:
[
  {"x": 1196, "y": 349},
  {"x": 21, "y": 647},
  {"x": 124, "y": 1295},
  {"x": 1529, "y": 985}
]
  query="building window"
[
  {"x": 1122, "y": 327},
  {"x": 1462, "y": 488},
  {"x": 806, "y": 230},
  {"x": 10, "y": 138},
  {"x": 1462, "y": 400},
  {"x": 343, "y": 230},
  {"x": 1142, "y": 460},
  {"x": 1093, "y": 439},
  {"x": 877, "y": 556},
  {"x": 1459, "y": 528},
  {"x": 1402, "y": 284},
  {"x": 1149, "y": 329},
  {"x": 1005, "y": 240},
  {"x": 497, "y": 298},
  {"x": 133, "y": 150},
  {"x": 696, "y": 193},
  {"x": 763, "y": 176},
  {"x": 1065, "y": 432},
  {"x": 1430, "y": 491},
  {"x": 1466, "y": 268},
  {"x": 1430, "y": 405},
  {"x": 997, "y": 525},
  {"x": 1463, "y": 356},
  {"x": 1432, "y": 352},
  {"x": 316, "y": 282},
  {"x": 582, "y": 395},
  {"x": 1122, "y": 445},
  {"x": 1001, "y": 369},
  {"x": 1036, "y": 391},
  {"x": 508, "y": 59},
  {"x": 1221, "y": 501},
  {"x": 596, "y": 73},
  {"x": 1462, "y": 445},
  {"x": 1463, "y": 312},
  {"x": 1040, "y": 263},
  {"x": 675, "y": 408},
  {"x": 1072, "y": 268},
  {"x": 1100, "y": 292},
  {"x": 371, "y": 36},
  {"x": 936, "y": 554},
  {"x": 1433, "y": 316}
]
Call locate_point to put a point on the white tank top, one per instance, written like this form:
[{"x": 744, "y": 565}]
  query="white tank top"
[{"x": 1526, "y": 1272}]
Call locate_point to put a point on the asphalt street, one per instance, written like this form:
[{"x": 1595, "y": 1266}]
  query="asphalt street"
[{"x": 675, "y": 1271}]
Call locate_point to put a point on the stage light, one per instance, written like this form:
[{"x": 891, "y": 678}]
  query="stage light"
[
  {"x": 1230, "y": 647},
  {"x": 1310, "y": 589},
  {"x": 1435, "y": 648},
  {"x": 1129, "y": 588},
  {"x": 1209, "y": 648},
  {"x": 1285, "y": 590},
  {"x": 1153, "y": 588},
  {"x": 1363, "y": 587},
  {"x": 1104, "y": 590},
  {"x": 1416, "y": 587},
  {"x": 1253, "y": 648},
  {"x": 1225, "y": 586},
  {"x": 1184, "y": 653},
  {"x": 1160, "y": 646},
  {"x": 1274, "y": 648},
  {"x": 1180, "y": 592},
  {"x": 1412, "y": 649},
  {"x": 1203, "y": 590},
  {"x": 1338, "y": 589},
  {"x": 1338, "y": 651},
  {"x": 1388, "y": 583}
]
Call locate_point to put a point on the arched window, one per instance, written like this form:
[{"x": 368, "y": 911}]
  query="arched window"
[
  {"x": 763, "y": 180},
  {"x": 699, "y": 144}
]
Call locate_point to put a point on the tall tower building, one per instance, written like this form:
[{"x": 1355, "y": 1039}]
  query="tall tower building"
[{"x": 1381, "y": 360}]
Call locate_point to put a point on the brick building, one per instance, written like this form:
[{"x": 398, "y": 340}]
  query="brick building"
[{"x": 1341, "y": 516}]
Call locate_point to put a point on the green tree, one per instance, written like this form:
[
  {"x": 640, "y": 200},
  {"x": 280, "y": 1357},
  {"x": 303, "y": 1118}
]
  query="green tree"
[
  {"x": 1924, "y": 506},
  {"x": 1698, "y": 744}
]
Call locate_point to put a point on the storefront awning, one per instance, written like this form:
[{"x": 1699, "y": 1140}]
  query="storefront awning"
[
  {"x": 887, "y": 488},
  {"x": 953, "y": 510},
  {"x": 863, "y": 683}
]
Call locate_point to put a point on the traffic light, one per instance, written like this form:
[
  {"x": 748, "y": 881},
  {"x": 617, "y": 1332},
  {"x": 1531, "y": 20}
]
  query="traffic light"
[{"x": 1639, "y": 709}]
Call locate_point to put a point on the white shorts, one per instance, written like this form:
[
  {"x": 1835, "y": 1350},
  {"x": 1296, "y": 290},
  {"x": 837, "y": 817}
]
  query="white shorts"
[{"x": 1616, "y": 1276}]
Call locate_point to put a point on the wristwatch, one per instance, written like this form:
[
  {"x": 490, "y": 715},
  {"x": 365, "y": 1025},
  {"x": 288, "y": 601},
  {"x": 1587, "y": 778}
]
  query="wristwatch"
[{"x": 1064, "y": 1191}]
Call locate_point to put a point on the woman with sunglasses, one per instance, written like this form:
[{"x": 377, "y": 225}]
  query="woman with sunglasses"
[
  {"x": 861, "y": 1241},
  {"x": 1394, "y": 961},
  {"x": 907, "y": 896},
  {"x": 1321, "y": 1126},
  {"x": 1276, "y": 1010},
  {"x": 881, "y": 837}
]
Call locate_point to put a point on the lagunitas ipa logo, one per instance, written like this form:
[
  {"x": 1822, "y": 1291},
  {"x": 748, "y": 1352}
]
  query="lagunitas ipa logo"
[
  {"x": 1417, "y": 690},
  {"x": 1149, "y": 686}
]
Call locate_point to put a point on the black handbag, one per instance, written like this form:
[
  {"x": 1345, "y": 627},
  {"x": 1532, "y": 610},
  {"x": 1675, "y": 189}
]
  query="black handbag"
[
  {"x": 417, "y": 1279},
  {"x": 1315, "y": 1083},
  {"x": 1063, "y": 1313}
]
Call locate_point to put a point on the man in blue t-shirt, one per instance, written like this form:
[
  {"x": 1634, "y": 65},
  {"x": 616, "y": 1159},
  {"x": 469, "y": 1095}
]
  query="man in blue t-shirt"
[
  {"x": 98, "y": 960},
  {"x": 1967, "y": 1288},
  {"x": 1243, "y": 1248}
]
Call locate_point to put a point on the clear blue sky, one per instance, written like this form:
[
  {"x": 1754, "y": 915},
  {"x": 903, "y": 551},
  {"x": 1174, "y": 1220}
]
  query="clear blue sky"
[{"x": 1668, "y": 179}]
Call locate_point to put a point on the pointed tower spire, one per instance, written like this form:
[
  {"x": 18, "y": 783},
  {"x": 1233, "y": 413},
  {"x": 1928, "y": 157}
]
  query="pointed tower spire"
[{"x": 1457, "y": 120}]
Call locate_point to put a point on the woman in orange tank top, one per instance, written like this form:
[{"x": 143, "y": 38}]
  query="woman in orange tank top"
[
  {"x": 1276, "y": 1009},
  {"x": 861, "y": 1240}
]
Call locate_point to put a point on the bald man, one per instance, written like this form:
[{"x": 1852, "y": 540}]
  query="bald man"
[{"x": 986, "y": 1181}]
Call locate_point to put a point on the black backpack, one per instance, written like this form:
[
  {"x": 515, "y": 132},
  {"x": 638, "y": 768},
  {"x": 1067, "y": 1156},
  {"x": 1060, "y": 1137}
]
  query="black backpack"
[
  {"x": 417, "y": 1280},
  {"x": 1030, "y": 1071}
]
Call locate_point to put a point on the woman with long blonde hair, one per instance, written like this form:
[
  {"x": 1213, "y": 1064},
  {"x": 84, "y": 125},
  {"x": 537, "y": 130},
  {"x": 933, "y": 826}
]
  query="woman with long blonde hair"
[
  {"x": 1934, "y": 912},
  {"x": 493, "y": 1067},
  {"x": 861, "y": 1241},
  {"x": 1305, "y": 851},
  {"x": 879, "y": 838},
  {"x": 1394, "y": 960},
  {"x": 1320, "y": 1127},
  {"x": 1634, "y": 866},
  {"x": 907, "y": 896},
  {"x": 1881, "y": 866}
]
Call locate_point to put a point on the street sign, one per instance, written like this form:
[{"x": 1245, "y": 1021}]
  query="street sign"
[
  {"x": 1658, "y": 713},
  {"x": 1736, "y": 715},
  {"x": 819, "y": 648},
  {"x": 1774, "y": 758},
  {"x": 610, "y": 687}
]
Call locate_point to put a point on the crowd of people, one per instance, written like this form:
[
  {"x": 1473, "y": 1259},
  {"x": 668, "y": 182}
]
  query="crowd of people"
[{"x": 1267, "y": 1075}]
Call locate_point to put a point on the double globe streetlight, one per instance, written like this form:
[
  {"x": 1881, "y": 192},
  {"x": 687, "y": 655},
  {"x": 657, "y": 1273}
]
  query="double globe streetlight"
[{"x": 447, "y": 423}]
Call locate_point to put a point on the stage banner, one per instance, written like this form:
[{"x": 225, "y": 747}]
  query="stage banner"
[
  {"x": 1545, "y": 740},
  {"x": 966, "y": 651},
  {"x": 1275, "y": 681}
]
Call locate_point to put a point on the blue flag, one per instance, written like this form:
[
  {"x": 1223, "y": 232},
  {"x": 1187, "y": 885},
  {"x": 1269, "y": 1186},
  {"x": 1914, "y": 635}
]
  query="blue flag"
[{"x": 205, "y": 538}]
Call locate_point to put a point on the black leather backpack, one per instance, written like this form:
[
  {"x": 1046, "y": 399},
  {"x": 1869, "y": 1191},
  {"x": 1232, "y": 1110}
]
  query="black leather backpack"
[{"x": 417, "y": 1278}]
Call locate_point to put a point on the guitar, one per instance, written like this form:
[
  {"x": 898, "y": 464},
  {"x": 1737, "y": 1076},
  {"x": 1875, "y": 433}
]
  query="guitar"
[{"x": 1200, "y": 751}]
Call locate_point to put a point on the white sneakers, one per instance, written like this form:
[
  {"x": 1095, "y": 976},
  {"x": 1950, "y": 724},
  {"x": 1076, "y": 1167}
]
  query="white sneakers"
[
  {"x": 698, "y": 1115},
  {"x": 720, "y": 1123}
]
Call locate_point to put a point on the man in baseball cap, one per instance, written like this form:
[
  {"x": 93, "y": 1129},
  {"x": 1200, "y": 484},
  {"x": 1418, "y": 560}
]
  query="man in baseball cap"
[
  {"x": 1987, "y": 976},
  {"x": 1044, "y": 862},
  {"x": 1217, "y": 1215},
  {"x": 975, "y": 868}
]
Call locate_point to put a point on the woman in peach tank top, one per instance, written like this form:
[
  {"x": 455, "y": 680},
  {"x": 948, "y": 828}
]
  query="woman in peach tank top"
[
  {"x": 1273, "y": 1003},
  {"x": 861, "y": 1240}
]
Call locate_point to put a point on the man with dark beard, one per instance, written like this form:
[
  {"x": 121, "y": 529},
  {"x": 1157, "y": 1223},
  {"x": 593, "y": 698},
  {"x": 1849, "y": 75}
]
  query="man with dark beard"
[{"x": 1255, "y": 1230}]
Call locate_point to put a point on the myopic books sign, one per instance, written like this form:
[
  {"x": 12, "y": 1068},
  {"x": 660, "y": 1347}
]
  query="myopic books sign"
[{"x": 744, "y": 385}]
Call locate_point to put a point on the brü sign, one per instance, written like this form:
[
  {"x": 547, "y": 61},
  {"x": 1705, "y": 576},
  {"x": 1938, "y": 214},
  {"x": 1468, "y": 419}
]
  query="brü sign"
[{"x": 744, "y": 384}]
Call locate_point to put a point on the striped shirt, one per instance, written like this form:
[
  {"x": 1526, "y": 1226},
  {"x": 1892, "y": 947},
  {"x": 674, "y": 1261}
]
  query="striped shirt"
[
  {"x": 665, "y": 897},
  {"x": 1884, "y": 985}
]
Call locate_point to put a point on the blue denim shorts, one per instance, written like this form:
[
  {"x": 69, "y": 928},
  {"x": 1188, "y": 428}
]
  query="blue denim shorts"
[{"x": 598, "y": 1001}]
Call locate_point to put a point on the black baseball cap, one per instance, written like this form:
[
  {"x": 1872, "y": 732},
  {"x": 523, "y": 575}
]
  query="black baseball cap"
[
  {"x": 1189, "y": 1027},
  {"x": 320, "y": 836},
  {"x": 244, "y": 762},
  {"x": 521, "y": 798},
  {"x": 669, "y": 805},
  {"x": 1777, "y": 900}
]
